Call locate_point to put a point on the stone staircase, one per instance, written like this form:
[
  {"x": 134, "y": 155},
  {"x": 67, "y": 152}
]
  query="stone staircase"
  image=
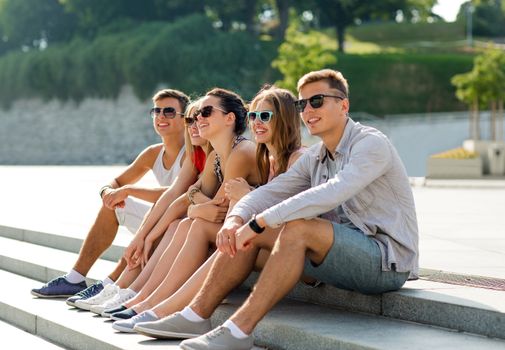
[{"x": 422, "y": 315}]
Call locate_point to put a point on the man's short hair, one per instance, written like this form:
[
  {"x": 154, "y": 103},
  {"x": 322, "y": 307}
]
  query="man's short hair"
[
  {"x": 334, "y": 78},
  {"x": 178, "y": 95}
]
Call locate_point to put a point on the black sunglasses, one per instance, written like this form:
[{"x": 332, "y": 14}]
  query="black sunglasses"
[
  {"x": 315, "y": 101},
  {"x": 189, "y": 121},
  {"x": 168, "y": 112},
  {"x": 262, "y": 116},
  {"x": 206, "y": 111}
]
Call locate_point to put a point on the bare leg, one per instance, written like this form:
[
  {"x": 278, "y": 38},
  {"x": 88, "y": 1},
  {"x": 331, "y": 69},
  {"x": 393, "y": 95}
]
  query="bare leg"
[
  {"x": 193, "y": 254},
  {"x": 146, "y": 272},
  {"x": 164, "y": 264},
  {"x": 227, "y": 273},
  {"x": 188, "y": 290},
  {"x": 298, "y": 238},
  {"x": 99, "y": 238}
]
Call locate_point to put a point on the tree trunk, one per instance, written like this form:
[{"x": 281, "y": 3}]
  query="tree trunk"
[
  {"x": 477, "y": 119},
  {"x": 251, "y": 10},
  {"x": 492, "y": 122},
  {"x": 283, "y": 8},
  {"x": 500, "y": 120},
  {"x": 340, "y": 37}
]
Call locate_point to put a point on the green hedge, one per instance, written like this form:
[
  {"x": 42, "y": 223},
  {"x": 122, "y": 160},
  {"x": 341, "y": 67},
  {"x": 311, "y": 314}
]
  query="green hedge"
[
  {"x": 191, "y": 55},
  {"x": 188, "y": 54},
  {"x": 403, "y": 83}
]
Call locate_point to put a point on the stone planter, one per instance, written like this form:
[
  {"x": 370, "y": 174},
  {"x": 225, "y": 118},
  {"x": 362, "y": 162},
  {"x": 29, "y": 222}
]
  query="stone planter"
[{"x": 447, "y": 168}]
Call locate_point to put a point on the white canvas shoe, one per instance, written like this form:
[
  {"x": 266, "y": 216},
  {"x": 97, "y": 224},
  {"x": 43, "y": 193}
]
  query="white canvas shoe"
[
  {"x": 107, "y": 293},
  {"x": 122, "y": 296}
]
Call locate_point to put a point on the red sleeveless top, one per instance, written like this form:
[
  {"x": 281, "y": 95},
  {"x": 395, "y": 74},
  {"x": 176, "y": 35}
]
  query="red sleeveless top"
[{"x": 199, "y": 159}]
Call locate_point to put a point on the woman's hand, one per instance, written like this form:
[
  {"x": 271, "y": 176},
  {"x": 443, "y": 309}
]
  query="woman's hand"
[
  {"x": 133, "y": 253},
  {"x": 237, "y": 188},
  {"x": 214, "y": 210},
  {"x": 148, "y": 245}
]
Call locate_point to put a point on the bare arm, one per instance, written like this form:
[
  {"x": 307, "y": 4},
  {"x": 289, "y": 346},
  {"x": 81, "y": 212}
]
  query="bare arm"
[{"x": 122, "y": 186}]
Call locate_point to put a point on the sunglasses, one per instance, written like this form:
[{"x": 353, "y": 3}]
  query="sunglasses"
[
  {"x": 315, "y": 101},
  {"x": 168, "y": 112},
  {"x": 206, "y": 111},
  {"x": 189, "y": 121},
  {"x": 262, "y": 116}
]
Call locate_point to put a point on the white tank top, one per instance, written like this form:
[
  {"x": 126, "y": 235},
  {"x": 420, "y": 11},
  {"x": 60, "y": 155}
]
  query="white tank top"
[{"x": 163, "y": 176}]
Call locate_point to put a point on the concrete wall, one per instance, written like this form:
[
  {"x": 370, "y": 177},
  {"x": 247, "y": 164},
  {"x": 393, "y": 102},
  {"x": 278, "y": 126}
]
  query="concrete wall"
[
  {"x": 99, "y": 131},
  {"x": 96, "y": 131},
  {"x": 418, "y": 137}
]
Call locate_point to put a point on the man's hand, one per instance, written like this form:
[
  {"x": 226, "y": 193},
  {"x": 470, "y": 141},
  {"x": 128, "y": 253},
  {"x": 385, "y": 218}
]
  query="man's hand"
[
  {"x": 114, "y": 197},
  {"x": 225, "y": 239},
  {"x": 244, "y": 237},
  {"x": 214, "y": 210}
]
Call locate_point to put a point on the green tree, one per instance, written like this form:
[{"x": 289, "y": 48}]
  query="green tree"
[
  {"x": 340, "y": 14},
  {"x": 33, "y": 23},
  {"x": 94, "y": 15},
  {"x": 234, "y": 12},
  {"x": 483, "y": 85},
  {"x": 301, "y": 53}
]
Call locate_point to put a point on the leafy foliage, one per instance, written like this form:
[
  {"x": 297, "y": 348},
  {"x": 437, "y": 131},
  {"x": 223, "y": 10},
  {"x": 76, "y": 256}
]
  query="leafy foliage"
[{"x": 301, "y": 53}]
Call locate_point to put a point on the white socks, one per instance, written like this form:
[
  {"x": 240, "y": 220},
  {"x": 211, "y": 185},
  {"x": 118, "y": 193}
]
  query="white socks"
[
  {"x": 107, "y": 281},
  {"x": 235, "y": 331},
  {"x": 74, "y": 277},
  {"x": 190, "y": 315}
]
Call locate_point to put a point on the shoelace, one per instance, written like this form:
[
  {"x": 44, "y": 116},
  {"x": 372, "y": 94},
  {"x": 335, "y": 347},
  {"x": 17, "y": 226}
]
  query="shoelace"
[
  {"x": 216, "y": 333},
  {"x": 55, "y": 282},
  {"x": 90, "y": 291}
]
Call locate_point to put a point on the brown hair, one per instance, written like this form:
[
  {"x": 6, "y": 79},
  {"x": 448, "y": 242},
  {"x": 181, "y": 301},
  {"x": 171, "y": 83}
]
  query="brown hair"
[
  {"x": 232, "y": 102},
  {"x": 334, "y": 78},
  {"x": 178, "y": 95},
  {"x": 286, "y": 126}
]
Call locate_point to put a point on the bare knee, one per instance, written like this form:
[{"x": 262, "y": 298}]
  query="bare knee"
[
  {"x": 200, "y": 228},
  {"x": 294, "y": 234}
]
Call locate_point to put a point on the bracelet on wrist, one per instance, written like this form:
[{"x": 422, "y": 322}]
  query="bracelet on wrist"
[
  {"x": 191, "y": 194},
  {"x": 103, "y": 189}
]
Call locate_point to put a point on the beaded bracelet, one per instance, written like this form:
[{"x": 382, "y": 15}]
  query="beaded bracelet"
[{"x": 191, "y": 194}]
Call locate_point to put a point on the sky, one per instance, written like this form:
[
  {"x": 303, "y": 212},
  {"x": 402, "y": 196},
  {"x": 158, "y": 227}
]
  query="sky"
[{"x": 448, "y": 9}]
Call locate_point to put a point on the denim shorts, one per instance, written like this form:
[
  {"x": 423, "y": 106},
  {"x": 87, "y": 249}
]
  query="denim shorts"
[{"x": 354, "y": 262}]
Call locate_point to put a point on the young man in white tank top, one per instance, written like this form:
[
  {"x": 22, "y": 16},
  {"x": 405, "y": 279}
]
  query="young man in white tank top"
[{"x": 124, "y": 202}]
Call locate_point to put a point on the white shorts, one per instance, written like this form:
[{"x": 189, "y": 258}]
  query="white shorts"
[{"x": 132, "y": 214}]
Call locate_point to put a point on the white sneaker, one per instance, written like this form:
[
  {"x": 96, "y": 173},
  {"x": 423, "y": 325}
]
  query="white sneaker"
[
  {"x": 122, "y": 296},
  {"x": 107, "y": 293}
]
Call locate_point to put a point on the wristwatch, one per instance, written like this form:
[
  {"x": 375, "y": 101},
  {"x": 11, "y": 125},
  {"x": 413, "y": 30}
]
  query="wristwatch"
[{"x": 253, "y": 224}]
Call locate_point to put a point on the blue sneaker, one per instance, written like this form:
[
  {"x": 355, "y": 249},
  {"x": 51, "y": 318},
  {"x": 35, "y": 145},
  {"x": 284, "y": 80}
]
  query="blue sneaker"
[
  {"x": 59, "y": 288},
  {"x": 89, "y": 292}
]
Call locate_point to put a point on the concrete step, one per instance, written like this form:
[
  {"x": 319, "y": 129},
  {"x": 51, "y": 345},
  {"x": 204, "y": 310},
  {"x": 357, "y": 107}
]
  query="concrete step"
[
  {"x": 70, "y": 242},
  {"x": 15, "y": 338},
  {"x": 42, "y": 263},
  {"x": 474, "y": 310},
  {"x": 291, "y": 325}
]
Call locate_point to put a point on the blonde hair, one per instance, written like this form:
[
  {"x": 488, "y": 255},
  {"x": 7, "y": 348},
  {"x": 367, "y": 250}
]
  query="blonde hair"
[
  {"x": 334, "y": 78},
  {"x": 286, "y": 126},
  {"x": 190, "y": 148}
]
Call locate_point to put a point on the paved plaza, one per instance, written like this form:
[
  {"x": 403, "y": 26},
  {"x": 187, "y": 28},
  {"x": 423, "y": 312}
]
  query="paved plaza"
[{"x": 460, "y": 221}]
